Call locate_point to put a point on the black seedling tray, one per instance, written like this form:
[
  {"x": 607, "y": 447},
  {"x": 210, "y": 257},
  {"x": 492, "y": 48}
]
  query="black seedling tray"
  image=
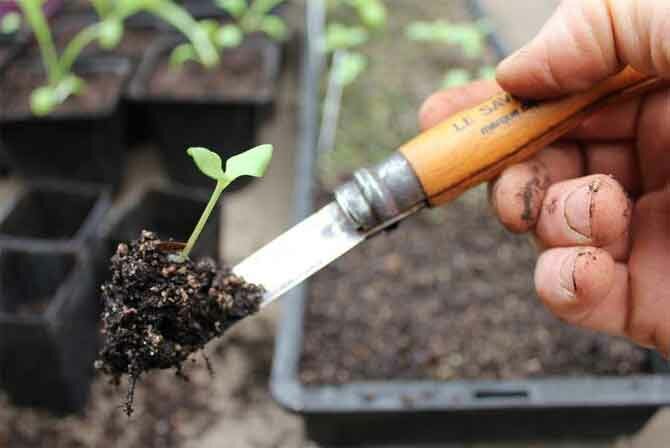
[
  {"x": 54, "y": 215},
  {"x": 225, "y": 125},
  {"x": 171, "y": 212},
  {"x": 84, "y": 147},
  {"x": 48, "y": 327},
  {"x": 415, "y": 412}
]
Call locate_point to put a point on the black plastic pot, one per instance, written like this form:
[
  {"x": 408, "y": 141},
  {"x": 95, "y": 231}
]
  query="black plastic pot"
[
  {"x": 172, "y": 213},
  {"x": 58, "y": 215},
  {"x": 85, "y": 147},
  {"x": 48, "y": 327},
  {"x": 415, "y": 412},
  {"x": 54, "y": 215},
  {"x": 10, "y": 47},
  {"x": 223, "y": 124}
]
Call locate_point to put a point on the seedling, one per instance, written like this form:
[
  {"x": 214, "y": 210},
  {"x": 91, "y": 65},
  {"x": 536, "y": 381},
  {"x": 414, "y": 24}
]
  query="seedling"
[
  {"x": 151, "y": 319},
  {"x": 470, "y": 37},
  {"x": 10, "y": 23},
  {"x": 61, "y": 80},
  {"x": 347, "y": 64},
  {"x": 249, "y": 17},
  {"x": 253, "y": 162}
]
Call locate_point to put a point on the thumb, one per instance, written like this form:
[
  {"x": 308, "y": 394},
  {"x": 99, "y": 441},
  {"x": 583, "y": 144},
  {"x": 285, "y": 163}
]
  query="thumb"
[{"x": 587, "y": 41}]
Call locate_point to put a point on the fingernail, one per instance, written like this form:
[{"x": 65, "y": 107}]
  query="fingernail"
[
  {"x": 578, "y": 209},
  {"x": 567, "y": 276}
]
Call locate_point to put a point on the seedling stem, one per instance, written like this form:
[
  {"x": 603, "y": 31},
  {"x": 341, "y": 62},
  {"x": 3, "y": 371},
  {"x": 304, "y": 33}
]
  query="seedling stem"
[
  {"x": 253, "y": 162},
  {"x": 220, "y": 186}
]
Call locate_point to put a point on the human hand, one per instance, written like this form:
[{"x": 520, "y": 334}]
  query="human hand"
[{"x": 597, "y": 202}]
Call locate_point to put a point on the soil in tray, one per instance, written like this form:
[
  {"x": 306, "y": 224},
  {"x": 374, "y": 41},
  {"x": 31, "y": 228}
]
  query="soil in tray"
[
  {"x": 101, "y": 90},
  {"x": 134, "y": 41},
  {"x": 158, "y": 312},
  {"x": 240, "y": 76},
  {"x": 448, "y": 295}
]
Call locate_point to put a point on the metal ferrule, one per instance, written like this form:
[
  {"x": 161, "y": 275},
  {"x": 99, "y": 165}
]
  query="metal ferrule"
[{"x": 381, "y": 194}]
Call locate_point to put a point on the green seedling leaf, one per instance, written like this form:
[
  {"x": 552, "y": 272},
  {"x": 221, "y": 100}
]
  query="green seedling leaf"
[
  {"x": 10, "y": 23},
  {"x": 111, "y": 32},
  {"x": 424, "y": 31},
  {"x": 471, "y": 37},
  {"x": 228, "y": 36},
  {"x": 372, "y": 13},
  {"x": 342, "y": 37},
  {"x": 488, "y": 72},
  {"x": 350, "y": 67},
  {"x": 274, "y": 27},
  {"x": 235, "y": 8},
  {"x": 209, "y": 26},
  {"x": 208, "y": 162},
  {"x": 456, "y": 77},
  {"x": 264, "y": 7},
  {"x": 44, "y": 99},
  {"x": 253, "y": 162},
  {"x": 181, "y": 54}
]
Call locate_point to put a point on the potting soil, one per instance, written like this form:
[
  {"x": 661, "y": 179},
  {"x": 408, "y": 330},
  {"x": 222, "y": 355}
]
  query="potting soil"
[{"x": 157, "y": 313}]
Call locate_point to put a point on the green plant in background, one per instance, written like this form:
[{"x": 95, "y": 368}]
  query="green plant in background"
[
  {"x": 249, "y": 17},
  {"x": 347, "y": 63},
  {"x": 469, "y": 36},
  {"x": 10, "y": 23},
  {"x": 61, "y": 80},
  {"x": 253, "y": 162},
  {"x": 344, "y": 39}
]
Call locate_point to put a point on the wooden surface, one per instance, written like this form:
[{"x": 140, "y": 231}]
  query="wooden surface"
[{"x": 476, "y": 145}]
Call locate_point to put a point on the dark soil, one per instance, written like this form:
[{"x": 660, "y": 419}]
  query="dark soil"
[
  {"x": 157, "y": 313},
  {"x": 101, "y": 90},
  {"x": 239, "y": 76},
  {"x": 448, "y": 295},
  {"x": 5, "y": 51},
  {"x": 134, "y": 42}
]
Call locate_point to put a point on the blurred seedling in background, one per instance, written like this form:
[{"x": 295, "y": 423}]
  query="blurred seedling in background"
[
  {"x": 62, "y": 82},
  {"x": 347, "y": 62},
  {"x": 249, "y": 17},
  {"x": 469, "y": 36},
  {"x": 10, "y": 23},
  {"x": 253, "y": 162}
]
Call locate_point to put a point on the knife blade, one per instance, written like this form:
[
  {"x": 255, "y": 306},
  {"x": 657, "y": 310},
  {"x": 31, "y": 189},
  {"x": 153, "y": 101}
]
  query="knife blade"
[
  {"x": 432, "y": 169},
  {"x": 301, "y": 252}
]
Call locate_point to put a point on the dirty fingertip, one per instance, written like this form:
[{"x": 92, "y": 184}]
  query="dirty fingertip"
[
  {"x": 572, "y": 281},
  {"x": 518, "y": 194}
]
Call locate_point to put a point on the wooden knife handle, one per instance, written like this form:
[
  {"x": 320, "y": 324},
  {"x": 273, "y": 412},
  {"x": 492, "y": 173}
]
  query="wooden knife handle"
[{"x": 476, "y": 145}]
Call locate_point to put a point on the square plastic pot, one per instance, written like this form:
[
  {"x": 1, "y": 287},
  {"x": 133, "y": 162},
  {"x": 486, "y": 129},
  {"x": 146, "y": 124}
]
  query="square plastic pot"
[
  {"x": 396, "y": 412},
  {"x": 220, "y": 123},
  {"x": 55, "y": 215},
  {"x": 48, "y": 327},
  {"x": 171, "y": 212},
  {"x": 58, "y": 215},
  {"x": 74, "y": 146}
]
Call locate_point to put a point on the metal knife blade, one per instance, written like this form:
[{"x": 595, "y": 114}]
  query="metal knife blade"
[{"x": 300, "y": 252}]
